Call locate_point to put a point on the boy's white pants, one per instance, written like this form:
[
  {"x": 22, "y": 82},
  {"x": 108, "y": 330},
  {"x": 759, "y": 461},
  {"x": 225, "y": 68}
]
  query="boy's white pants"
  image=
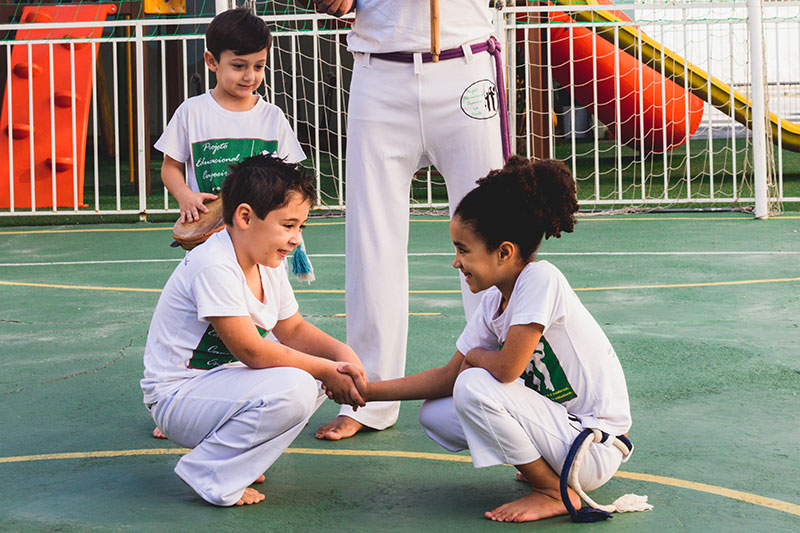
[
  {"x": 511, "y": 424},
  {"x": 402, "y": 117},
  {"x": 238, "y": 421}
]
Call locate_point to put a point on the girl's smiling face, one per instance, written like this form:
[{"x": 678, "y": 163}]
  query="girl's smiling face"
[{"x": 473, "y": 259}]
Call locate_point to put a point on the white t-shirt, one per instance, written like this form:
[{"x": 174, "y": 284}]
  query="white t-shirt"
[
  {"x": 181, "y": 342},
  {"x": 574, "y": 363},
  {"x": 405, "y": 26},
  {"x": 208, "y": 138}
]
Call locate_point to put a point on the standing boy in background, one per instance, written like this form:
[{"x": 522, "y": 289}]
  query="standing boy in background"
[
  {"x": 212, "y": 382},
  {"x": 228, "y": 123},
  {"x": 406, "y": 112}
]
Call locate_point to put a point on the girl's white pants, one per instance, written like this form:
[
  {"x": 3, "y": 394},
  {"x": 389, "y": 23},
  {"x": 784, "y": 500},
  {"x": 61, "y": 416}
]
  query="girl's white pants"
[
  {"x": 238, "y": 421},
  {"x": 402, "y": 117},
  {"x": 511, "y": 424}
]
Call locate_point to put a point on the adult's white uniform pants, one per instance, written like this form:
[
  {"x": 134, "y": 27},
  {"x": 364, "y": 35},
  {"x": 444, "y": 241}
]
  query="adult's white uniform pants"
[
  {"x": 402, "y": 117},
  {"x": 238, "y": 421},
  {"x": 508, "y": 423}
]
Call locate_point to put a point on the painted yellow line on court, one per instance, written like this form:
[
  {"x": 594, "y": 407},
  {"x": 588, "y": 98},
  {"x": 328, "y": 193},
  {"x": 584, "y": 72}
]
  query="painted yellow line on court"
[
  {"x": 755, "y": 499},
  {"x": 747, "y": 497},
  {"x": 444, "y": 291},
  {"x": 341, "y": 315},
  {"x": 76, "y": 287},
  {"x": 682, "y": 285}
]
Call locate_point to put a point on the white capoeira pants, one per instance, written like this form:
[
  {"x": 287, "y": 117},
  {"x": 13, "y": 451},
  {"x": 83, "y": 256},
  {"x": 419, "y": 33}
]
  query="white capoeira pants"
[
  {"x": 511, "y": 424},
  {"x": 402, "y": 117},
  {"x": 238, "y": 421}
]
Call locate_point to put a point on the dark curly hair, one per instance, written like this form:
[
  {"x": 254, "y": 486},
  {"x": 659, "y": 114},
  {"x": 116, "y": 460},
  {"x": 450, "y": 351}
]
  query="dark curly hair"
[
  {"x": 521, "y": 203},
  {"x": 239, "y": 31},
  {"x": 264, "y": 182}
]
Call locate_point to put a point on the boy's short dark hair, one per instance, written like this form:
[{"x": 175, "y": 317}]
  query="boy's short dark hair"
[
  {"x": 239, "y": 31},
  {"x": 264, "y": 182}
]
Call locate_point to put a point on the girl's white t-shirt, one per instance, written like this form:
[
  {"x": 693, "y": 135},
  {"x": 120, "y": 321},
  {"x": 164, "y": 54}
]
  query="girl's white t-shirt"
[
  {"x": 405, "y": 26},
  {"x": 574, "y": 363},
  {"x": 209, "y": 282}
]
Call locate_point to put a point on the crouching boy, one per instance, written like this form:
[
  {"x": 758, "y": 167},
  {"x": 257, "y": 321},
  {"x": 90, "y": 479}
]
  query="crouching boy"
[{"x": 212, "y": 382}]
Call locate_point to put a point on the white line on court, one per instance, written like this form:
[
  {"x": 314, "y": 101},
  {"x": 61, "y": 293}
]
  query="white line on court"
[{"x": 417, "y": 254}]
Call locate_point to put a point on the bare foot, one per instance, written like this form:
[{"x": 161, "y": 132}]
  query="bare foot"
[
  {"x": 250, "y": 496},
  {"x": 534, "y": 506},
  {"x": 260, "y": 479},
  {"x": 339, "y": 428},
  {"x": 157, "y": 434}
]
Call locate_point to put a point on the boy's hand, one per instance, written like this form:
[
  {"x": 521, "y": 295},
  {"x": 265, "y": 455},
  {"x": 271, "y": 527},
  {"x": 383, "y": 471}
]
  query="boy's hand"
[
  {"x": 337, "y": 8},
  {"x": 359, "y": 377},
  {"x": 341, "y": 386},
  {"x": 192, "y": 204}
]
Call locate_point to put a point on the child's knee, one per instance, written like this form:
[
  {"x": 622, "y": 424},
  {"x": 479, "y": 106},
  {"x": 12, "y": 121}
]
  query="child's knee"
[
  {"x": 470, "y": 387},
  {"x": 300, "y": 398}
]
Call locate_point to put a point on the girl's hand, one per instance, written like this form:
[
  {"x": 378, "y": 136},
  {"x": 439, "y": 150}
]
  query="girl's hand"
[
  {"x": 341, "y": 387},
  {"x": 192, "y": 204},
  {"x": 359, "y": 377}
]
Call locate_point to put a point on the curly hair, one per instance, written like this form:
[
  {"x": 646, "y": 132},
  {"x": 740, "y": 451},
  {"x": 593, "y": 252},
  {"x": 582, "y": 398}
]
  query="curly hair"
[
  {"x": 264, "y": 182},
  {"x": 521, "y": 203}
]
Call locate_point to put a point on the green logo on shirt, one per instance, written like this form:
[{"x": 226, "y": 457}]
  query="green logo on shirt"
[
  {"x": 212, "y": 352},
  {"x": 545, "y": 375},
  {"x": 213, "y": 157}
]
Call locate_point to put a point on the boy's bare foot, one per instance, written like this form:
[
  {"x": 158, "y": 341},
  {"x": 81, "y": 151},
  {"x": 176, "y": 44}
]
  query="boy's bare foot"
[
  {"x": 158, "y": 435},
  {"x": 339, "y": 428},
  {"x": 260, "y": 479},
  {"x": 250, "y": 496},
  {"x": 534, "y": 506}
]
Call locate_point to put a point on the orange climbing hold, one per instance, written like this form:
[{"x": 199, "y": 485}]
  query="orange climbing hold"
[{"x": 36, "y": 181}]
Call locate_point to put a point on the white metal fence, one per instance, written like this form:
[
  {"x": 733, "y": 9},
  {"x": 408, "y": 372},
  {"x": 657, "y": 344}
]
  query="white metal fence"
[{"x": 143, "y": 68}]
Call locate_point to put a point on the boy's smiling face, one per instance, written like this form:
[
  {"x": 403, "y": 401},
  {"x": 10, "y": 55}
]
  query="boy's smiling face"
[
  {"x": 272, "y": 238},
  {"x": 238, "y": 76}
]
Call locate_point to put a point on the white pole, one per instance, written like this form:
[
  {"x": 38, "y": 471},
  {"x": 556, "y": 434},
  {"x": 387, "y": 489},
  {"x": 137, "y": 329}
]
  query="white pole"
[
  {"x": 758, "y": 108},
  {"x": 221, "y": 5}
]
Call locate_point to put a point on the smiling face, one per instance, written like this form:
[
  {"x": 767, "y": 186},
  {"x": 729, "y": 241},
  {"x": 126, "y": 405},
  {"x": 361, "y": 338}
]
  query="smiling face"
[
  {"x": 238, "y": 76},
  {"x": 270, "y": 239},
  {"x": 478, "y": 264}
]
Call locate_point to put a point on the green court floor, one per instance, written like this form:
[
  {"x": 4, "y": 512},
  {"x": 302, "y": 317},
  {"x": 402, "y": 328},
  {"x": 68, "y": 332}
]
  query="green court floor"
[{"x": 703, "y": 310}]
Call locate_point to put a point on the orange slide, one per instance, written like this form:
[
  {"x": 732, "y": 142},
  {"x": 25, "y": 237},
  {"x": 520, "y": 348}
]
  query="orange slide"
[
  {"x": 67, "y": 187},
  {"x": 654, "y": 107}
]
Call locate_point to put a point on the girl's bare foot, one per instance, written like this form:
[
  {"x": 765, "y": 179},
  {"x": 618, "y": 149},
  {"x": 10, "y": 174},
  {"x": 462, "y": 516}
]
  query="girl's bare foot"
[
  {"x": 157, "y": 434},
  {"x": 250, "y": 496},
  {"x": 339, "y": 428},
  {"x": 534, "y": 506}
]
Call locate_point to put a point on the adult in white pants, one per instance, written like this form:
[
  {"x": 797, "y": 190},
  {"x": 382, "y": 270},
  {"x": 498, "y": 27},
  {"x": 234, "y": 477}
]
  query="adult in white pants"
[{"x": 402, "y": 117}]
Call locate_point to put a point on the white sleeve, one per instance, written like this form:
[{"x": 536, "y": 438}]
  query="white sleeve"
[
  {"x": 289, "y": 147},
  {"x": 174, "y": 142},
  {"x": 477, "y": 333},
  {"x": 217, "y": 291},
  {"x": 539, "y": 299}
]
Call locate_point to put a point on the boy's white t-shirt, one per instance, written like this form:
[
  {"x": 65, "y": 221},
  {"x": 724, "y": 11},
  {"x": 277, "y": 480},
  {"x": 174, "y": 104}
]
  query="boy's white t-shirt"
[
  {"x": 208, "y": 138},
  {"x": 574, "y": 363},
  {"x": 392, "y": 26},
  {"x": 209, "y": 282}
]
